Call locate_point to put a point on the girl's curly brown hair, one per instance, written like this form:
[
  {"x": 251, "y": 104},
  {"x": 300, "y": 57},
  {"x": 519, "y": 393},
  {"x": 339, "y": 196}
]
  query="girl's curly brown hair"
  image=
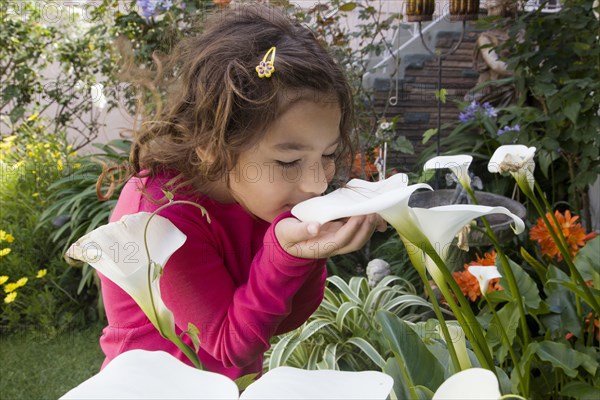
[{"x": 217, "y": 104}]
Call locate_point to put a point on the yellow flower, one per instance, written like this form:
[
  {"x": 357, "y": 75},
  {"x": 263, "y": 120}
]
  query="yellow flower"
[
  {"x": 3, "y": 279},
  {"x": 9, "y": 139},
  {"x": 22, "y": 282},
  {"x": 41, "y": 273},
  {"x": 10, "y": 287},
  {"x": 36, "y": 194},
  {"x": 10, "y": 297},
  {"x": 4, "y": 251},
  {"x": 59, "y": 165},
  {"x": 6, "y": 237},
  {"x": 33, "y": 117}
]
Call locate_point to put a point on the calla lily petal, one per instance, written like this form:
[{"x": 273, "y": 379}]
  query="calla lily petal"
[
  {"x": 117, "y": 251},
  {"x": 142, "y": 374},
  {"x": 473, "y": 383},
  {"x": 458, "y": 164},
  {"x": 484, "y": 274},
  {"x": 441, "y": 224},
  {"x": 357, "y": 198},
  {"x": 516, "y": 159},
  {"x": 286, "y": 383}
]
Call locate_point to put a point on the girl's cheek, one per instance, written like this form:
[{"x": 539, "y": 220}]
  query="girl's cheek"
[{"x": 329, "y": 171}]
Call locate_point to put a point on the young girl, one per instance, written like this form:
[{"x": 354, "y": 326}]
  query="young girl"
[{"x": 259, "y": 118}]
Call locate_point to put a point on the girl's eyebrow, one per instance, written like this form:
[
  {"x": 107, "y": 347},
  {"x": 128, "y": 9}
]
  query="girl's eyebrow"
[{"x": 296, "y": 146}]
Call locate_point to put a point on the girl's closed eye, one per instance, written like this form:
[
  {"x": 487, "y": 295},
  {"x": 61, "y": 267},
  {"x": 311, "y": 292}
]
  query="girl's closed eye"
[{"x": 287, "y": 164}]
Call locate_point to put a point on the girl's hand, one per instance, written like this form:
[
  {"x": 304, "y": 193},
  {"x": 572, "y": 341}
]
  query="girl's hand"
[{"x": 313, "y": 240}]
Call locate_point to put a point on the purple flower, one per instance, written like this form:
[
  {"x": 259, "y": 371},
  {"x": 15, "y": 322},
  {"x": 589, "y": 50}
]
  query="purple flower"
[
  {"x": 149, "y": 8},
  {"x": 466, "y": 117},
  {"x": 507, "y": 128},
  {"x": 489, "y": 110}
]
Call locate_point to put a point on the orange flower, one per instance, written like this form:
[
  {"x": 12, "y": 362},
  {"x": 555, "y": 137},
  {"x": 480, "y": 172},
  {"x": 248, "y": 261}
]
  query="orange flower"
[
  {"x": 222, "y": 3},
  {"x": 370, "y": 169},
  {"x": 468, "y": 283},
  {"x": 572, "y": 231}
]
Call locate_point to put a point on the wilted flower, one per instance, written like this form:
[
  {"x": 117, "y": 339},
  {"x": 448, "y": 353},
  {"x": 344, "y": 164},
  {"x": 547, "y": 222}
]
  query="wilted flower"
[{"x": 517, "y": 160}]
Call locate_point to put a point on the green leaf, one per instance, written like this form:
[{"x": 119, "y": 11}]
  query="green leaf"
[
  {"x": 244, "y": 381},
  {"x": 580, "y": 390},
  {"x": 344, "y": 288},
  {"x": 508, "y": 317},
  {"x": 539, "y": 269},
  {"x": 368, "y": 349},
  {"x": 193, "y": 333},
  {"x": 441, "y": 94},
  {"x": 422, "y": 367},
  {"x": 526, "y": 285},
  {"x": 429, "y": 133},
  {"x": 587, "y": 261},
  {"x": 348, "y": 6},
  {"x": 571, "y": 110},
  {"x": 563, "y": 357},
  {"x": 168, "y": 195},
  {"x": 341, "y": 315},
  {"x": 561, "y": 302},
  {"x": 400, "y": 388}
]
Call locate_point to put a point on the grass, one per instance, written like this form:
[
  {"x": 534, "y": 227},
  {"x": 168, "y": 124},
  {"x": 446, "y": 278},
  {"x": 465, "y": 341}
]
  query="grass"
[{"x": 36, "y": 367}]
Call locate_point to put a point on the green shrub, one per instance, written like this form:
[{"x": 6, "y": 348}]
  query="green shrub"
[
  {"x": 342, "y": 334},
  {"x": 31, "y": 160}
]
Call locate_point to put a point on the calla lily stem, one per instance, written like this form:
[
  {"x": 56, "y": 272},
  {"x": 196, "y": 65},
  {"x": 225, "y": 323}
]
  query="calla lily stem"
[
  {"x": 464, "y": 313},
  {"x": 190, "y": 354},
  {"x": 522, "y": 382},
  {"x": 510, "y": 277},
  {"x": 440, "y": 317}
]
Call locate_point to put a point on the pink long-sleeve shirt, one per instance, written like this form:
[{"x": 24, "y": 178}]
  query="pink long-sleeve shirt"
[{"x": 231, "y": 279}]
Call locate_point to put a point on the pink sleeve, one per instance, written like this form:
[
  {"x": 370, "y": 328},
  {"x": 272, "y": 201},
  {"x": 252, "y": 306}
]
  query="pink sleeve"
[{"x": 237, "y": 322}]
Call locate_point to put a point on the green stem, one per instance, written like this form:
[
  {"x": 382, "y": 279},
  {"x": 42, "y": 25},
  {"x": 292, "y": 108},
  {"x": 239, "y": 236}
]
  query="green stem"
[
  {"x": 522, "y": 383},
  {"x": 464, "y": 313},
  {"x": 442, "y": 321},
  {"x": 510, "y": 277},
  {"x": 187, "y": 350}
]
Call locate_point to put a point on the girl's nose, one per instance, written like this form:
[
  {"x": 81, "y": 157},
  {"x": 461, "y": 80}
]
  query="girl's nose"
[{"x": 314, "y": 181}]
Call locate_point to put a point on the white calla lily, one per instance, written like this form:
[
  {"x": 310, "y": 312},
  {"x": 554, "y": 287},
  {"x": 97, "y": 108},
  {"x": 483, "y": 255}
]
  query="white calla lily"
[
  {"x": 472, "y": 383},
  {"x": 359, "y": 197},
  {"x": 130, "y": 272},
  {"x": 517, "y": 160},
  {"x": 484, "y": 274},
  {"x": 141, "y": 374},
  {"x": 458, "y": 164},
  {"x": 389, "y": 198}
]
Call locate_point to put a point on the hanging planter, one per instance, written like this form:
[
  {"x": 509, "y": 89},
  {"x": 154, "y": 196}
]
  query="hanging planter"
[
  {"x": 464, "y": 10},
  {"x": 419, "y": 10}
]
